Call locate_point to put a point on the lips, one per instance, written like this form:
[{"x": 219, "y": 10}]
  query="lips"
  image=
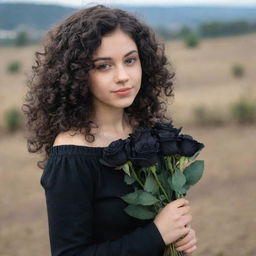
[{"x": 123, "y": 90}]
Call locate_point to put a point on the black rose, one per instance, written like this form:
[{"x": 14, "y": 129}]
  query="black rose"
[
  {"x": 164, "y": 126},
  {"x": 115, "y": 154},
  {"x": 143, "y": 148},
  {"x": 188, "y": 146},
  {"x": 168, "y": 138}
]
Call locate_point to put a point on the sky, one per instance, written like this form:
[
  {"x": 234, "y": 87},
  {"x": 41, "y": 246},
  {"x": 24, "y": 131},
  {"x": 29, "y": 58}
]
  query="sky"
[{"x": 80, "y": 3}]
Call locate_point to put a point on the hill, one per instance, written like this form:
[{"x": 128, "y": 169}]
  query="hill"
[{"x": 38, "y": 16}]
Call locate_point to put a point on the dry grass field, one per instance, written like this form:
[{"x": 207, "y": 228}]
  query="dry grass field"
[{"x": 223, "y": 203}]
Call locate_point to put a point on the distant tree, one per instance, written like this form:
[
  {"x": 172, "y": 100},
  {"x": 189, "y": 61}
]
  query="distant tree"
[
  {"x": 244, "y": 111},
  {"x": 13, "y": 119},
  {"x": 191, "y": 40},
  {"x": 184, "y": 31},
  {"x": 238, "y": 70},
  {"x": 215, "y": 29},
  {"x": 14, "y": 67},
  {"x": 164, "y": 32},
  {"x": 22, "y": 38}
]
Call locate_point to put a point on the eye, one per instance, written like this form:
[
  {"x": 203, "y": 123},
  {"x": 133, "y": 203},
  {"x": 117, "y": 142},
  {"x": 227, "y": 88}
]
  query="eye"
[
  {"x": 131, "y": 60},
  {"x": 103, "y": 66}
]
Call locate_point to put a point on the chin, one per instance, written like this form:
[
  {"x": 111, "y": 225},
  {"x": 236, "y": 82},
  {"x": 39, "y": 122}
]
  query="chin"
[{"x": 125, "y": 104}]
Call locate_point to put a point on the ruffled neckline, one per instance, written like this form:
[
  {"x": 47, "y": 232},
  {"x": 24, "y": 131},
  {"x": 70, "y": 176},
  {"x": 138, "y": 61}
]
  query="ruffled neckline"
[{"x": 71, "y": 149}]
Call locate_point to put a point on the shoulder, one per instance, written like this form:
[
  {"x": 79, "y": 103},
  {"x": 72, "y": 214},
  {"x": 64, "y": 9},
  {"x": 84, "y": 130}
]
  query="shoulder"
[
  {"x": 70, "y": 138},
  {"x": 70, "y": 160}
]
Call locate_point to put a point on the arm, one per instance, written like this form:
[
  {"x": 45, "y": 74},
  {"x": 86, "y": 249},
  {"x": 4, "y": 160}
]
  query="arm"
[{"x": 69, "y": 189}]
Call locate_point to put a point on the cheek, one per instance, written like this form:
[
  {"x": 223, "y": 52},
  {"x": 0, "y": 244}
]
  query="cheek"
[
  {"x": 137, "y": 74},
  {"x": 94, "y": 84},
  {"x": 100, "y": 78},
  {"x": 93, "y": 87},
  {"x": 96, "y": 90}
]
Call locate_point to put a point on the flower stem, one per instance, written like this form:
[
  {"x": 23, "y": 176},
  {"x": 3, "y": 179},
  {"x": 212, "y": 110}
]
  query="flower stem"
[
  {"x": 153, "y": 170},
  {"x": 171, "y": 251},
  {"x": 135, "y": 175},
  {"x": 169, "y": 160}
]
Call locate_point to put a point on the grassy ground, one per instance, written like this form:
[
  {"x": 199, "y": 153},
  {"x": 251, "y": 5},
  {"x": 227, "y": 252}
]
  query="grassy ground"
[{"x": 223, "y": 203}]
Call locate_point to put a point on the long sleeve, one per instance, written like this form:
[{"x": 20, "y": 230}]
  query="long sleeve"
[{"x": 70, "y": 183}]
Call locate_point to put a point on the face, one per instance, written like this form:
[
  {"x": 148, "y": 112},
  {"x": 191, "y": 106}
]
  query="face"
[{"x": 116, "y": 77}]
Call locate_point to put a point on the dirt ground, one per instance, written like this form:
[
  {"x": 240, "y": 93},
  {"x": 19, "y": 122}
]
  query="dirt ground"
[{"x": 223, "y": 202}]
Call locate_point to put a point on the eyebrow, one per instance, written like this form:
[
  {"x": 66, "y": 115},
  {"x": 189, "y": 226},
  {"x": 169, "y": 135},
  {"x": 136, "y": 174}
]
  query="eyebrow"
[{"x": 108, "y": 58}]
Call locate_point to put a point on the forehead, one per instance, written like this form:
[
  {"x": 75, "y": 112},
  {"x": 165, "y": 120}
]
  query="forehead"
[{"x": 114, "y": 44}]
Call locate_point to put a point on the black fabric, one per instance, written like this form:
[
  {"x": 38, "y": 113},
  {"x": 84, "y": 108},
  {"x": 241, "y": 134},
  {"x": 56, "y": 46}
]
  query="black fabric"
[{"x": 85, "y": 213}]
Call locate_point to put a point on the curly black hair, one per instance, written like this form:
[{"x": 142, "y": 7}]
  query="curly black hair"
[{"x": 58, "y": 98}]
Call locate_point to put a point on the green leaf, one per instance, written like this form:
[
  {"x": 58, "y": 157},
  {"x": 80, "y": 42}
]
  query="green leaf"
[
  {"x": 170, "y": 183},
  {"x": 184, "y": 189},
  {"x": 140, "y": 197},
  {"x": 139, "y": 212},
  {"x": 163, "y": 177},
  {"x": 177, "y": 180},
  {"x": 131, "y": 198},
  {"x": 150, "y": 184},
  {"x": 194, "y": 172},
  {"x": 146, "y": 198},
  {"x": 128, "y": 180},
  {"x": 126, "y": 169}
]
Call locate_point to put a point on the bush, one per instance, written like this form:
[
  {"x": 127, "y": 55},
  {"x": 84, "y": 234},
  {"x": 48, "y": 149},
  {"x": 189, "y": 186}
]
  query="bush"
[
  {"x": 185, "y": 31},
  {"x": 14, "y": 67},
  {"x": 238, "y": 70},
  {"x": 191, "y": 40},
  {"x": 204, "y": 116},
  {"x": 244, "y": 111},
  {"x": 22, "y": 39},
  {"x": 13, "y": 119}
]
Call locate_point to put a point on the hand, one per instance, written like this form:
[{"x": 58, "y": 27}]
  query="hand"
[
  {"x": 173, "y": 220},
  {"x": 188, "y": 243}
]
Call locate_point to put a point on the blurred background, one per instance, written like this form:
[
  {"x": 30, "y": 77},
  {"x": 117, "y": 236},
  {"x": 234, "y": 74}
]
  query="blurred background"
[{"x": 212, "y": 48}]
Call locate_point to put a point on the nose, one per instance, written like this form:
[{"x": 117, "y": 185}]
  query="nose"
[{"x": 121, "y": 75}]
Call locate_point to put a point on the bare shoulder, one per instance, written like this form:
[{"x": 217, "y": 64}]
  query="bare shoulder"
[{"x": 70, "y": 138}]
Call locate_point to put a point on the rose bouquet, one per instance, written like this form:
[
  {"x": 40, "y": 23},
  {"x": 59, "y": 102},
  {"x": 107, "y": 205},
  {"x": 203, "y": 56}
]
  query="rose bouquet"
[{"x": 160, "y": 163}]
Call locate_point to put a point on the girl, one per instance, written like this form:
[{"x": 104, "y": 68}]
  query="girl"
[{"x": 101, "y": 77}]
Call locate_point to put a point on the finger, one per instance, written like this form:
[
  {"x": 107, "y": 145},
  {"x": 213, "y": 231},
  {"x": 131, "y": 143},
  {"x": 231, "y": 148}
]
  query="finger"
[
  {"x": 186, "y": 239},
  {"x": 191, "y": 250},
  {"x": 189, "y": 226},
  {"x": 184, "y": 231},
  {"x": 185, "y": 220},
  {"x": 180, "y": 202},
  {"x": 184, "y": 210},
  {"x": 187, "y": 246}
]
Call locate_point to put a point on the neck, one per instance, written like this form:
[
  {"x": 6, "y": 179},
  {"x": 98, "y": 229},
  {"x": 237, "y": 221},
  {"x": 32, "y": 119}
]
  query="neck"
[{"x": 111, "y": 122}]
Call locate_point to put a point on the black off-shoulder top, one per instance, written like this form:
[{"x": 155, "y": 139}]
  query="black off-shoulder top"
[{"x": 86, "y": 215}]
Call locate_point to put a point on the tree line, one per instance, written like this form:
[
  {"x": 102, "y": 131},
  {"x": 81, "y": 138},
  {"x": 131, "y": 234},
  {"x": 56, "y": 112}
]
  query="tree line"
[{"x": 210, "y": 29}]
